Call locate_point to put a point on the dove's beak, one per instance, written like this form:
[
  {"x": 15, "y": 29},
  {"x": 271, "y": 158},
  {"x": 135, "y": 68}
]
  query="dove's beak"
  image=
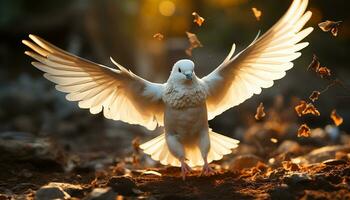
[{"x": 188, "y": 76}]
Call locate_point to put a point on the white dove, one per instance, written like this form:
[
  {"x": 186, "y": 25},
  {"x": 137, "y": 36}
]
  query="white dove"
[{"x": 185, "y": 103}]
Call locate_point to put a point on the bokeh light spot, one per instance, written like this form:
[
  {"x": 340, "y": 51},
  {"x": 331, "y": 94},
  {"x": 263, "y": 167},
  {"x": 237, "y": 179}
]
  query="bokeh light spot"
[{"x": 167, "y": 8}]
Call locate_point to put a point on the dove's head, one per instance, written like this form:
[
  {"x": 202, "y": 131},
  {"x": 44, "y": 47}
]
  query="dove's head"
[{"x": 183, "y": 70}]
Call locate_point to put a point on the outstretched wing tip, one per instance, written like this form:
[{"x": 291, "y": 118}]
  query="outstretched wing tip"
[
  {"x": 97, "y": 87},
  {"x": 265, "y": 60},
  {"x": 117, "y": 64}
]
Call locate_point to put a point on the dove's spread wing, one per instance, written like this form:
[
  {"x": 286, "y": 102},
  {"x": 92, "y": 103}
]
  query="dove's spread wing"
[
  {"x": 266, "y": 59},
  {"x": 121, "y": 94}
]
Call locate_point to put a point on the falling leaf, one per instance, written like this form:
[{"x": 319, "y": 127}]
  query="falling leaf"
[
  {"x": 194, "y": 43},
  {"x": 198, "y": 19},
  {"x": 273, "y": 140},
  {"x": 315, "y": 64},
  {"x": 331, "y": 26},
  {"x": 324, "y": 71},
  {"x": 304, "y": 108},
  {"x": 304, "y": 131},
  {"x": 337, "y": 119},
  {"x": 257, "y": 13},
  {"x": 310, "y": 109},
  {"x": 334, "y": 31},
  {"x": 316, "y": 67},
  {"x": 260, "y": 112},
  {"x": 158, "y": 36},
  {"x": 193, "y": 40},
  {"x": 300, "y": 108},
  {"x": 314, "y": 96}
]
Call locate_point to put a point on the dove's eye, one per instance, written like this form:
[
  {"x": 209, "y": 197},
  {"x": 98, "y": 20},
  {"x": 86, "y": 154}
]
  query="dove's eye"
[{"x": 179, "y": 70}]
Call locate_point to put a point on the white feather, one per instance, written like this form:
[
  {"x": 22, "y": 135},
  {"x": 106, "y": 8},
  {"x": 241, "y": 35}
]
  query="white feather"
[{"x": 265, "y": 60}]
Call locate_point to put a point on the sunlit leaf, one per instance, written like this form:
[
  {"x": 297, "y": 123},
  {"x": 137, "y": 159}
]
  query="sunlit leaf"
[
  {"x": 315, "y": 64},
  {"x": 260, "y": 112},
  {"x": 257, "y": 13},
  {"x": 316, "y": 67},
  {"x": 337, "y": 119},
  {"x": 290, "y": 166},
  {"x": 304, "y": 131},
  {"x": 300, "y": 108},
  {"x": 194, "y": 43},
  {"x": 158, "y": 36},
  {"x": 198, "y": 19},
  {"x": 331, "y": 26},
  {"x": 324, "y": 71},
  {"x": 314, "y": 95},
  {"x": 310, "y": 109}
]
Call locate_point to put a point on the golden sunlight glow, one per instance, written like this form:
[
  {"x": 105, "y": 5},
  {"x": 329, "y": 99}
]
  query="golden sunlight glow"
[{"x": 167, "y": 8}]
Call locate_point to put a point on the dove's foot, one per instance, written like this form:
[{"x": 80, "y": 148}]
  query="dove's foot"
[
  {"x": 207, "y": 170},
  {"x": 185, "y": 169}
]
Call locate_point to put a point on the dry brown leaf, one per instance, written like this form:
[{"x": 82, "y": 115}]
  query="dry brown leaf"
[
  {"x": 300, "y": 108},
  {"x": 260, "y": 112},
  {"x": 334, "y": 31},
  {"x": 324, "y": 71},
  {"x": 331, "y": 26},
  {"x": 304, "y": 131},
  {"x": 337, "y": 119},
  {"x": 310, "y": 109},
  {"x": 198, "y": 19},
  {"x": 315, "y": 64},
  {"x": 257, "y": 13},
  {"x": 316, "y": 67},
  {"x": 194, "y": 43},
  {"x": 289, "y": 166},
  {"x": 314, "y": 96},
  {"x": 158, "y": 36}
]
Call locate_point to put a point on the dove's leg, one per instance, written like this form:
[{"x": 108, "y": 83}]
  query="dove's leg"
[
  {"x": 177, "y": 149},
  {"x": 204, "y": 146}
]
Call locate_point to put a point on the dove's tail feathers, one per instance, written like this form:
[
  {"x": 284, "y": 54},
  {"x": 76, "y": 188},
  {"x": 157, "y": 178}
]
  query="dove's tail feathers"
[
  {"x": 220, "y": 145},
  {"x": 157, "y": 148}
]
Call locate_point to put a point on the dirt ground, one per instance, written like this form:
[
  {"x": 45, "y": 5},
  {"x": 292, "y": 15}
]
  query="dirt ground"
[{"x": 327, "y": 180}]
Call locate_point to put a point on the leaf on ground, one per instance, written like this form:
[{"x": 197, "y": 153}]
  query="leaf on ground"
[
  {"x": 290, "y": 166},
  {"x": 304, "y": 131},
  {"x": 194, "y": 43},
  {"x": 257, "y": 13},
  {"x": 149, "y": 172},
  {"x": 158, "y": 36},
  {"x": 198, "y": 19},
  {"x": 314, "y": 95},
  {"x": 260, "y": 112},
  {"x": 331, "y": 26},
  {"x": 337, "y": 119}
]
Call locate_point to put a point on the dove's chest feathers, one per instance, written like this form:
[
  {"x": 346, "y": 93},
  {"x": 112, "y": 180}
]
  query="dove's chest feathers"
[{"x": 180, "y": 97}]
